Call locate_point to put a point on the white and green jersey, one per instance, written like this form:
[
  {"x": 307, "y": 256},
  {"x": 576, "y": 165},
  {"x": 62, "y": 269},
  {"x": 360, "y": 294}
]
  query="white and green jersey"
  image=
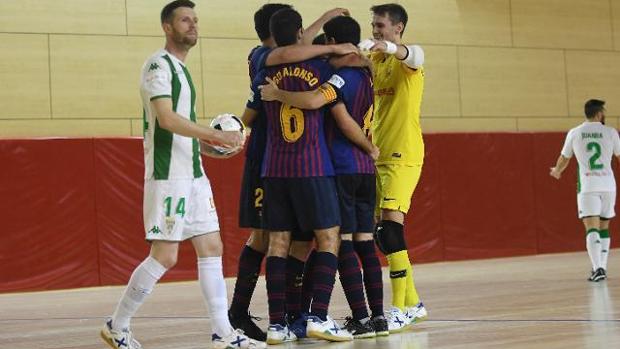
[
  {"x": 593, "y": 144},
  {"x": 168, "y": 155}
]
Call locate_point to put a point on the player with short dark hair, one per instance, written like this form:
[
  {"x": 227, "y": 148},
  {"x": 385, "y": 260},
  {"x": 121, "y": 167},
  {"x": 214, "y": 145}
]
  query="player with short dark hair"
[
  {"x": 355, "y": 180},
  {"x": 300, "y": 193},
  {"x": 593, "y": 145}
]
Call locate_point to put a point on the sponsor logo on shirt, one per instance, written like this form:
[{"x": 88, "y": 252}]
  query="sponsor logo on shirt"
[{"x": 385, "y": 92}]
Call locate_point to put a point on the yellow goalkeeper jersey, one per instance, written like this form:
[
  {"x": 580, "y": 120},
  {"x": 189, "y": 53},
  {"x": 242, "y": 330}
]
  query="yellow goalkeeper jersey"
[{"x": 396, "y": 124}]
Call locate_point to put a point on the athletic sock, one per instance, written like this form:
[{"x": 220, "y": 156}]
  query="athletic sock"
[
  {"x": 213, "y": 287},
  {"x": 276, "y": 289},
  {"x": 294, "y": 278},
  {"x": 373, "y": 279},
  {"x": 308, "y": 283},
  {"x": 324, "y": 276},
  {"x": 351, "y": 279},
  {"x": 247, "y": 275},
  {"x": 140, "y": 285},
  {"x": 399, "y": 264},
  {"x": 605, "y": 245},
  {"x": 593, "y": 245},
  {"x": 411, "y": 294}
]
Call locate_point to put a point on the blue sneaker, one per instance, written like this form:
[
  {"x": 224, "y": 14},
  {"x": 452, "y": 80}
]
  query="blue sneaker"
[{"x": 298, "y": 327}]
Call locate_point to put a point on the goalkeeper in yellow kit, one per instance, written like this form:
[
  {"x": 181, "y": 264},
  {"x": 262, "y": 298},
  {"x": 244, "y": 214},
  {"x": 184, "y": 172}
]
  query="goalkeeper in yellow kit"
[{"x": 398, "y": 85}]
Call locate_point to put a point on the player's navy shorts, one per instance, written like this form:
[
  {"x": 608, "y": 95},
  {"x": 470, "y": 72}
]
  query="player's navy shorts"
[
  {"x": 251, "y": 200},
  {"x": 306, "y": 203},
  {"x": 298, "y": 235},
  {"x": 356, "y": 195}
]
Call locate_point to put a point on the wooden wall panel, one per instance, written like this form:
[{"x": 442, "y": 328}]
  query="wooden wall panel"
[
  {"x": 580, "y": 24},
  {"x": 432, "y": 125},
  {"x": 463, "y": 22},
  {"x": 491, "y": 65},
  {"x": 555, "y": 124},
  {"x": 137, "y": 127},
  {"x": 24, "y": 73},
  {"x": 67, "y": 16},
  {"x": 99, "y": 77},
  {"x": 593, "y": 75},
  {"x": 360, "y": 10},
  {"x": 441, "y": 80},
  {"x": 228, "y": 19},
  {"x": 227, "y": 83},
  {"x": 143, "y": 17},
  {"x": 615, "y": 22},
  {"x": 216, "y": 19},
  {"x": 64, "y": 128},
  {"x": 499, "y": 82}
]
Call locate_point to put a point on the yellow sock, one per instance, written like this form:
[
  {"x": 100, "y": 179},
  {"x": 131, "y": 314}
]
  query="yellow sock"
[
  {"x": 399, "y": 262},
  {"x": 411, "y": 295}
]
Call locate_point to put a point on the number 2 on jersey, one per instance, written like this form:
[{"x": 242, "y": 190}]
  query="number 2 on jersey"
[
  {"x": 292, "y": 122},
  {"x": 593, "y": 146}
]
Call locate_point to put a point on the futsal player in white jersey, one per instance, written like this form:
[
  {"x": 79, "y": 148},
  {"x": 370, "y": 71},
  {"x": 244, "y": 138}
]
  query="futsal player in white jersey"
[
  {"x": 593, "y": 144},
  {"x": 178, "y": 202}
]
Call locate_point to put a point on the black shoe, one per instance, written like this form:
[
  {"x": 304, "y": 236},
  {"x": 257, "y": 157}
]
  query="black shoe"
[
  {"x": 359, "y": 330},
  {"x": 244, "y": 322},
  {"x": 380, "y": 325},
  {"x": 598, "y": 275}
]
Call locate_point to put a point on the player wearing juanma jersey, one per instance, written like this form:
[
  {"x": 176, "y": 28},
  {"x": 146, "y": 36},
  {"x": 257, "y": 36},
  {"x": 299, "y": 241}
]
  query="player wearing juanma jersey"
[
  {"x": 178, "y": 202},
  {"x": 398, "y": 84},
  {"x": 593, "y": 144},
  {"x": 349, "y": 94}
]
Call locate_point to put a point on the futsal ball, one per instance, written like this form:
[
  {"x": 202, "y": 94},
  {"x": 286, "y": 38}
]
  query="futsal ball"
[{"x": 224, "y": 122}]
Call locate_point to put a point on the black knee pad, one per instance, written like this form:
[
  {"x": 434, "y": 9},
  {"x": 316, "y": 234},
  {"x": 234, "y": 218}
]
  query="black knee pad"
[{"x": 389, "y": 237}]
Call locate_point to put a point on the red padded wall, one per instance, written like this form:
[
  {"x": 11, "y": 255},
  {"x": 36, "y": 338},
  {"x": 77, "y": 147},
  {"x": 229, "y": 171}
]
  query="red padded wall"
[
  {"x": 72, "y": 208},
  {"x": 49, "y": 237},
  {"x": 424, "y": 228},
  {"x": 556, "y": 232},
  {"x": 487, "y": 197}
]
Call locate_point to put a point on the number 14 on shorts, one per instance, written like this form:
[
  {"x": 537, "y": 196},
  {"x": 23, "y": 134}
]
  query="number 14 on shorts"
[{"x": 179, "y": 207}]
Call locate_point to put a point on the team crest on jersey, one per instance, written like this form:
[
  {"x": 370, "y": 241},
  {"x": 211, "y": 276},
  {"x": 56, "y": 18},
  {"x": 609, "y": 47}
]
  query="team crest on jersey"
[
  {"x": 170, "y": 221},
  {"x": 153, "y": 66}
]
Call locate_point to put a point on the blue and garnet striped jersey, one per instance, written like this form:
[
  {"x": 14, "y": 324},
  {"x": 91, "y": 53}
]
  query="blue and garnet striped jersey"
[
  {"x": 256, "y": 60},
  {"x": 258, "y": 137},
  {"x": 296, "y": 145},
  {"x": 354, "y": 88}
]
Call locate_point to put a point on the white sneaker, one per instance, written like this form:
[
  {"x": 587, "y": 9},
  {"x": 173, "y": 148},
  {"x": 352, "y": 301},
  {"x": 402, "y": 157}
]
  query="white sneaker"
[
  {"x": 397, "y": 320},
  {"x": 278, "y": 334},
  {"x": 236, "y": 339},
  {"x": 119, "y": 339},
  {"x": 417, "y": 313},
  {"x": 328, "y": 329}
]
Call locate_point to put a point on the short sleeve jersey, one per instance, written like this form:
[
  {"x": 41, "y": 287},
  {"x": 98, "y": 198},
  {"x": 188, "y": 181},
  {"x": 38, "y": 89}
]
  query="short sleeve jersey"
[
  {"x": 168, "y": 155},
  {"x": 353, "y": 87},
  {"x": 593, "y": 144},
  {"x": 296, "y": 145},
  {"x": 258, "y": 137},
  {"x": 396, "y": 126}
]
